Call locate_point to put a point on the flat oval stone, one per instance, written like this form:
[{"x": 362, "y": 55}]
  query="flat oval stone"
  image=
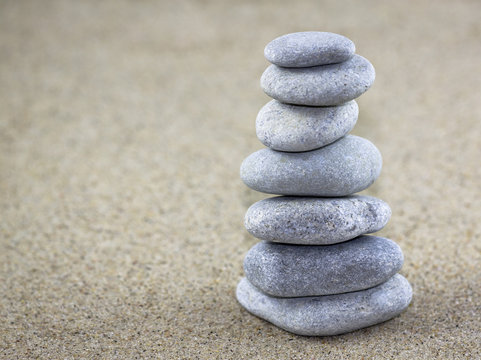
[
  {"x": 331, "y": 314},
  {"x": 349, "y": 165},
  {"x": 324, "y": 85},
  {"x": 287, "y": 127},
  {"x": 284, "y": 270},
  {"x": 309, "y": 48},
  {"x": 316, "y": 221}
]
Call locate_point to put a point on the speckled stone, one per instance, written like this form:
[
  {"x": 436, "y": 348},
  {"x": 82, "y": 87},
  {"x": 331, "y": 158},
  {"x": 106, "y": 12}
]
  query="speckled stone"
[
  {"x": 324, "y": 85},
  {"x": 309, "y": 48},
  {"x": 347, "y": 166},
  {"x": 287, "y": 127},
  {"x": 295, "y": 270},
  {"x": 330, "y": 314},
  {"x": 316, "y": 221}
]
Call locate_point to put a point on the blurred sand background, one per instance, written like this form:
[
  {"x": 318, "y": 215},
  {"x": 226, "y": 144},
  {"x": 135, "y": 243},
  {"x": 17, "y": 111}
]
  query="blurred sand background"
[{"x": 123, "y": 126}]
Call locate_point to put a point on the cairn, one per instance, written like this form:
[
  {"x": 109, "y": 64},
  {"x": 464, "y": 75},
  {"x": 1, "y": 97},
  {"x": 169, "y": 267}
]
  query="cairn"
[{"x": 316, "y": 272}]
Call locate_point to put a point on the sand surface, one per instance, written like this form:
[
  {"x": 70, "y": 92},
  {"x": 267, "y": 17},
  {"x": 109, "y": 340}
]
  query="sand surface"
[{"x": 122, "y": 128}]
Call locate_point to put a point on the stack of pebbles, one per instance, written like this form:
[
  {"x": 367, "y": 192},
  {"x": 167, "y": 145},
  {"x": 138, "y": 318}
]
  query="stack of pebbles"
[{"x": 316, "y": 273}]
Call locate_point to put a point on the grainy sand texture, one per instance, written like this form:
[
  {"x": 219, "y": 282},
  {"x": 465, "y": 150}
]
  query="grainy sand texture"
[{"x": 122, "y": 128}]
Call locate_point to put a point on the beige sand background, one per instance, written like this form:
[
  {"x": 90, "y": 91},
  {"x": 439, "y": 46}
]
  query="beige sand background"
[{"x": 123, "y": 126}]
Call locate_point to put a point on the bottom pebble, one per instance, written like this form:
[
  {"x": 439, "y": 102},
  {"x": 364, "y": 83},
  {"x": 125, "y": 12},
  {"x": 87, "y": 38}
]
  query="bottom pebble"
[{"x": 330, "y": 314}]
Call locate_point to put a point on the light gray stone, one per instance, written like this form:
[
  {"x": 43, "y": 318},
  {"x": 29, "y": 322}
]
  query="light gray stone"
[
  {"x": 347, "y": 166},
  {"x": 324, "y": 85},
  {"x": 330, "y": 314},
  {"x": 287, "y": 127},
  {"x": 284, "y": 270},
  {"x": 316, "y": 221},
  {"x": 309, "y": 48}
]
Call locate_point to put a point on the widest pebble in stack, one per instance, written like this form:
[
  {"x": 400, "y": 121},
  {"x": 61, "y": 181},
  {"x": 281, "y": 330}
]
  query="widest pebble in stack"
[{"x": 316, "y": 272}]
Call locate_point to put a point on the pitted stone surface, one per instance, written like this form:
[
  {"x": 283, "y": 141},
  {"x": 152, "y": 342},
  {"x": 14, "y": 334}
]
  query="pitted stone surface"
[
  {"x": 316, "y": 221},
  {"x": 287, "y": 127},
  {"x": 285, "y": 270},
  {"x": 330, "y": 314},
  {"x": 324, "y": 85},
  {"x": 347, "y": 166},
  {"x": 309, "y": 48}
]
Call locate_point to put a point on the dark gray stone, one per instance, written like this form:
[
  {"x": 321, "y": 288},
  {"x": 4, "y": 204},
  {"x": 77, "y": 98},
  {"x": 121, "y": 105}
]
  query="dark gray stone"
[
  {"x": 347, "y": 166},
  {"x": 287, "y": 127},
  {"x": 309, "y": 48},
  {"x": 316, "y": 221},
  {"x": 284, "y": 270},
  {"x": 330, "y": 314},
  {"x": 324, "y": 85}
]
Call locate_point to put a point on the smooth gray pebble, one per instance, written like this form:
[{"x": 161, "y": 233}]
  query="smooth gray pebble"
[
  {"x": 285, "y": 270},
  {"x": 349, "y": 165},
  {"x": 325, "y": 85},
  {"x": 316, "y": 221},
  {"x": 297, "y": 128},
  {"x": 309, "y": 48},
  {"x": 330, "y": 314}
]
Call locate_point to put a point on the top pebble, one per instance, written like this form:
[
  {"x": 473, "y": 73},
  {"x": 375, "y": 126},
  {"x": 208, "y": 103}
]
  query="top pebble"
[{"x": 310, "y": 48}]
